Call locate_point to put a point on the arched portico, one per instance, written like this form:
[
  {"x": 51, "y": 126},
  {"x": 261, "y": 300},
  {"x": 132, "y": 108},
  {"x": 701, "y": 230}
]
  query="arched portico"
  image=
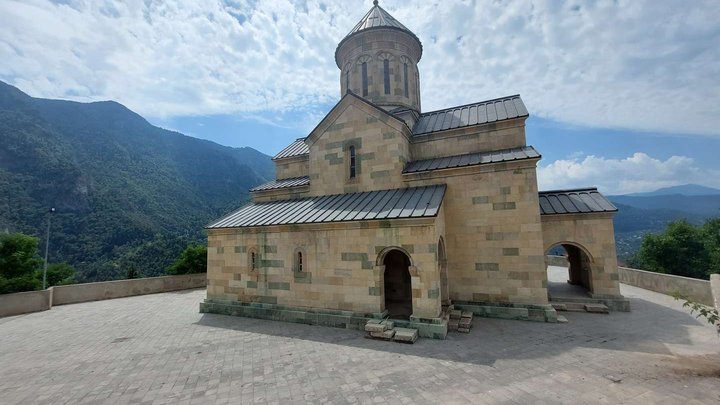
[{"x": 579, "y": 281}]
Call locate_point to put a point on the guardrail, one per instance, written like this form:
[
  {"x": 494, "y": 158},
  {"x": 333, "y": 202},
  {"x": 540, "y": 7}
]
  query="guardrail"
[{"x": 35, "y": 301}]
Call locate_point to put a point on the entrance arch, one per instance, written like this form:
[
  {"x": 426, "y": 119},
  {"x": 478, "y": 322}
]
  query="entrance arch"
[
  {"x": 579, "y": 282},
  {"x": 397, "y": 284}
]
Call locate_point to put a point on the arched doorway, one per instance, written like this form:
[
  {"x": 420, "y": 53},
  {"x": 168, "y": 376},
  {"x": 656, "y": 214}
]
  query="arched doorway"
[
  {"x": 571, "y": 277},
  {"x": 397, "y": 282}
]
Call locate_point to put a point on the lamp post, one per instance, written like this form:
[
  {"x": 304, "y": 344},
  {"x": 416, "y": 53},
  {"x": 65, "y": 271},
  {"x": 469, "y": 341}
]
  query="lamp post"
[{"x": 47, "y": 245}]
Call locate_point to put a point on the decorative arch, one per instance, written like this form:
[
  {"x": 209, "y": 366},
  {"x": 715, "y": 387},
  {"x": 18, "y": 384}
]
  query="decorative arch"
[
  {"x": 580, "y": 271},
  {"x": 382, "y": 55},
  {"x": 379, "y": 261},
  {"x": 577, "y": 245},
  {"x": 363, "y": 59}
]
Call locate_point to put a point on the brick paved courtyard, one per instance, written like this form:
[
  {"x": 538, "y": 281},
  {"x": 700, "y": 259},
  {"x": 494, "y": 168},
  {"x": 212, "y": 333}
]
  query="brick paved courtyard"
[{"x": 158, "y": 349}]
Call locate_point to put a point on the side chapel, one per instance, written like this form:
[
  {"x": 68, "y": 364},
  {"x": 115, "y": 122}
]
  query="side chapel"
[{"x": 384, "y": 210}]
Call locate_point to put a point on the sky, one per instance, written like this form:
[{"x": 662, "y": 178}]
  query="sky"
[{"x": 623, "y": 95}]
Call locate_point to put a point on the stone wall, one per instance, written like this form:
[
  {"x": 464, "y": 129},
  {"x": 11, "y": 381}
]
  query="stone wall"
[
  {"x": 34, "y": 301},
  {"x": 296, "y": 166},
  {"x": 25, "y": 302},
  {"x": 593, "y": 235},
  {"x": 342, "y": 264},
  {"x": 493, "y": 235},
  {"x": 484, "y": 138},
  {"x": 69, "y": 294},
  {"x": 381, "y": 147},
  {"x": 695, "y": 289}
]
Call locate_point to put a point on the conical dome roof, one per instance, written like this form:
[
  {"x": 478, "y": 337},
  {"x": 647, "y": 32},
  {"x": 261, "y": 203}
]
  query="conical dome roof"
[{"x": 378, "y": 18}]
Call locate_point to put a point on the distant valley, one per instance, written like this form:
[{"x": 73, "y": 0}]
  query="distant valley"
[
  {"x": 642, "y": 213},
  {"x": 127, "y": 193}
]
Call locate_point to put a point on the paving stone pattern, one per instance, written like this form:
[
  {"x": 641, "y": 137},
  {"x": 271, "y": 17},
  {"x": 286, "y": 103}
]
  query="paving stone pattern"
[{"x": 158, "y": 349}]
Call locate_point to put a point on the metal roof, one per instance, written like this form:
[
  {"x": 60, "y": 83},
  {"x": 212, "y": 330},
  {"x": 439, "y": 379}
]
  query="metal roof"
[
  {"x": 416, "y": 202},
  {"x": 377, "y": 18},
  {"x": 297, "y": 148},
  {"x": 472, "y": 114},
  {"x": 575, "y": 201},
  {"x": 472, "y": 159},
  {"x": 283, "y": 183}
]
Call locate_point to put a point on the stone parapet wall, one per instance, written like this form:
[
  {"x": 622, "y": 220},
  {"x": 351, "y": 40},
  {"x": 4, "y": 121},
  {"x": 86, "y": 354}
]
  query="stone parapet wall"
[
  {"x": 35, "y": 301},
  {"x": 715, "y": 289},
  {"x": 695, "y": 289},
  {"x": 25, "y": 302}
]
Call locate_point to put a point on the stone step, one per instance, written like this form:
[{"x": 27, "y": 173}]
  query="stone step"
[
  {"x": 597, "y": 308},
  {"x": 384, "y": 335},
  {"x": 580, "y": 307},
  {"x": 455, "y": 314},
  {"x": 378, "y": 325},
  {"x": 453, "y": 325},
  {"x": 405, "y": 335}
]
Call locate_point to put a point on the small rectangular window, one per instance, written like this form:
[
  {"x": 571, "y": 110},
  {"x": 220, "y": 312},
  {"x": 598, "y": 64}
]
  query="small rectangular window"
[
  {"x": 364, "y": 79},
  {"x": 386, "y": 75},
  {"x": 347, "y": 81}
]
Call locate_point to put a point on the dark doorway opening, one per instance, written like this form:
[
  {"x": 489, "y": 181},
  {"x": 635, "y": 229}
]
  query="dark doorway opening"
[
  {"x": 398, "y": 287},
  {"x": 571, "y": 280}
]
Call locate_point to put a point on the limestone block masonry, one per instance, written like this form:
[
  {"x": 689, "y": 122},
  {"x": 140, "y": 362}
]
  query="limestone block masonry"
[{"x": 356, "y": 234}]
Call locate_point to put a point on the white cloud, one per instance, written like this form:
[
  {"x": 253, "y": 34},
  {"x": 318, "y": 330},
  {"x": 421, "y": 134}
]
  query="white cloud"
[
  {"x": 636, "y": 173},
  {"x": 641, "y": 64}
]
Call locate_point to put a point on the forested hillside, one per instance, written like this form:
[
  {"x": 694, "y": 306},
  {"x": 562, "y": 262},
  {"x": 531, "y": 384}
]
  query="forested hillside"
[{"x": 126, "y": 192}]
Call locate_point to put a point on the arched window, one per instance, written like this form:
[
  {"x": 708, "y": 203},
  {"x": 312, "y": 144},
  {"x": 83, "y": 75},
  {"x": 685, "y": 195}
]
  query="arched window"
[
  {"x": 405, "y": 79},
  {"x": 253, "y": 259},
  {"x": 299, "y": 262},
  {"x": 351, "y": 154},
  {"x": 386, "y": 75},
  {"x": 347, "y": 81},
  {"x": 364, "y": 79}
]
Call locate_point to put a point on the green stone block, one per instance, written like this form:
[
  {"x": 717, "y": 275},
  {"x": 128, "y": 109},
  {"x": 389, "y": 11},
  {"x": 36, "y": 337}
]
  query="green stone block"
[
  {"x": 353, "y": 257},
  {"x": 505, "y": 190},
  {"x": 433, "y": 293},
  {"x": 480, "y": 200},
  {"x": 487, "y": 267},
  {"x": 269, "y": 249},
  {"x": 409, "y": 248},
  {"x": 240, "y": 249},
  {"x": 278, "y": 286},
  {"x": 272, "y": 263},
  {"x": 252, "y": 284},
  {"x": 367, "y": 265},
  {"x": 511, "y": 252},
  {"x": 374, "y": 291}
]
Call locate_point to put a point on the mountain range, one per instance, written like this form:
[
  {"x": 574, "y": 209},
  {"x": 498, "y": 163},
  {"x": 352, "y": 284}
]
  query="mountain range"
[
  {"x": 126, "y": 193},
  {"x": 642, "y": 213}
]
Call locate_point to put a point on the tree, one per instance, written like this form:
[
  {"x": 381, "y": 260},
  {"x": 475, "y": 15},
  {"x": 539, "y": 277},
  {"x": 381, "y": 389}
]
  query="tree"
[
  {"x": 19, "y": 263},
  {"x": 132, "y": 273},
  {"x": 192, "y": 260},
  {"x": 59, "y": 274},
  {"x": 682, "y": 249}
]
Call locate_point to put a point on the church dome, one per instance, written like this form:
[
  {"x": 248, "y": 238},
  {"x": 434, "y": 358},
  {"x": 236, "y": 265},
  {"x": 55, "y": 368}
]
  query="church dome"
[{"x": 378, "y": 61}]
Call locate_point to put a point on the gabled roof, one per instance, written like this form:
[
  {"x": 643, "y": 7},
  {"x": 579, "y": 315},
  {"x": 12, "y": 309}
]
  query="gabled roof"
[
  {"x": 483, "y": 112},
  {"x": 350, "y": 95},
  {"x": 296, "y": 148},
  {"x": 283, "y": 183},
  {"x": 401, "y": 203},
  {"x": 472, "y": 159},
  {"x": 574, "y": 201}
]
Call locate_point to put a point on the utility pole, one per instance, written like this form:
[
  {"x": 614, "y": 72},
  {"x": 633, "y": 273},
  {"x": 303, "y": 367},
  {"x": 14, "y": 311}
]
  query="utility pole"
[{"x": 47, "y": 245}]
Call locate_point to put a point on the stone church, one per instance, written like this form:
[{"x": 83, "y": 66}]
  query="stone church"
[{"x": 385, "y": 210}]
